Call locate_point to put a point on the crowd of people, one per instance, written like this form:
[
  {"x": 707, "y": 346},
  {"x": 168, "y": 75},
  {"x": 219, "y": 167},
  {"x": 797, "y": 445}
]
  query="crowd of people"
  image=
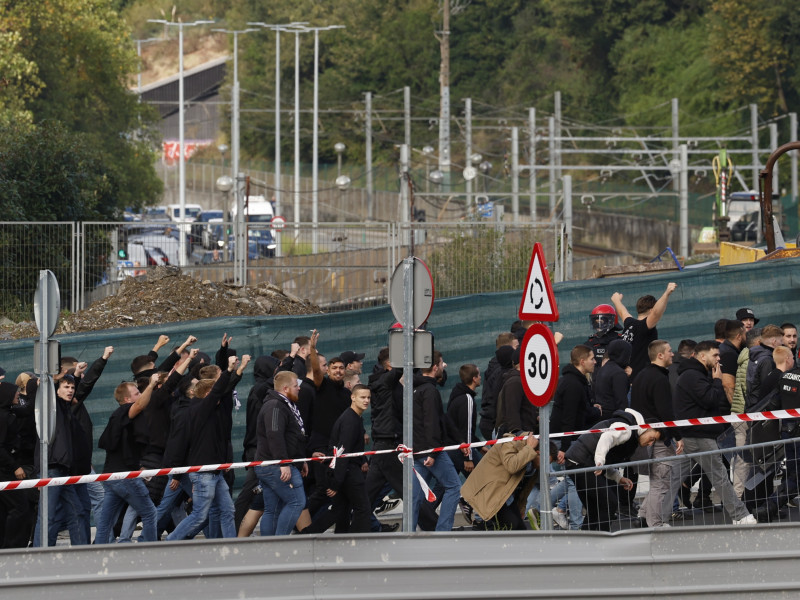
[{"x": 178, "y": 412}]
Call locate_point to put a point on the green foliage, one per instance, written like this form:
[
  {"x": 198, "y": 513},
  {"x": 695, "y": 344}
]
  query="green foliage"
[
  {"x": 71, "y": 61},
  {"x": 479, "y": 260}
]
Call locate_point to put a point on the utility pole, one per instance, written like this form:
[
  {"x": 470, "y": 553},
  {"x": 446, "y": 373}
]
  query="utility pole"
[
  {"x": 532, "y": 161},
  {"x": 468, "y": 149},
  {"x": 557, "y": 116},
  {"x": 676, "y": 151},
  {"x": 754, "y": 136},
  {"x": 444, "y": 90},
  {"x": 515, "y": 174},
  {"x": 368, "y": 151},
  {"x": 793, "y": 155},
  {"x": 551, "y": 124}
]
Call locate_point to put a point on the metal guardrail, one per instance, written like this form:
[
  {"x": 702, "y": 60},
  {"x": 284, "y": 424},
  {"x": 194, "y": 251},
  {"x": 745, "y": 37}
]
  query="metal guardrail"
[{"x": 722, "y": 562}]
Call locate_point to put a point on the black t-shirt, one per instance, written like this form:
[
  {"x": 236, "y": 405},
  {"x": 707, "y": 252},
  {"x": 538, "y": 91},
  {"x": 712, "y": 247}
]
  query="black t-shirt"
[
  {"x": 639, "y": 336},
  {"x": 728, "y": 358}
]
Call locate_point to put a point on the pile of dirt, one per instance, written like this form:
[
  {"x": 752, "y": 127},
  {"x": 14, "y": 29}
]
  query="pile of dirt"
[{"x": 164, "y": 295}]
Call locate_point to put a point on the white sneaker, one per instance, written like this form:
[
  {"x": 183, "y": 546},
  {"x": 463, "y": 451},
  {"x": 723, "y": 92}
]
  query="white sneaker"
[
  {"x": 560, "y": 518},
  {"x": 748, "y": 520}
]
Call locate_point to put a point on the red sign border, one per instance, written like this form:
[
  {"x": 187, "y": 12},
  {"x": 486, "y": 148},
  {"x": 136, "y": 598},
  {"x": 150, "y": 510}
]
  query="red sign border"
[
  {"x": 543, "y": 330},
  {"x": 553, "y": 316}
]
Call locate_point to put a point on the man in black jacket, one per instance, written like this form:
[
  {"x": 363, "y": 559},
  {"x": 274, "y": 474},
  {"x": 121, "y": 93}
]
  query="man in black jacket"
[
  {"x": 428, "y": 433},
  {"x": 281, "y": 436},
  {"x": 263, "y": 373},
  {"x": 514, "y": 411},
  {"x": 123, "y": 453},
  {"x": 462, "y": 418},
  {"x": 700, "y": 394},
  {"x": 211, "y": 413},
  {"x": 17, "y": 519},
  {"x": 611, "y": 379},
  {"x": 505, "y": 344},
  {"x": 345, "y": 476},
  {"x": 572, "y": 411},
  {"x": 651, "y": 396},
  {"x": 387, "y": 433}
]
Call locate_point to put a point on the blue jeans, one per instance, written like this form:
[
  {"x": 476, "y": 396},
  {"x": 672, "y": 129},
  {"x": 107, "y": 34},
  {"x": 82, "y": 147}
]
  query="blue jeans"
[
  {"x": 283, "y": 500},
  {"x": 207, "y": 489},
  {"x": 170, "y": 503},
  {"x": 446, "y": 475},
  {"x": 566, "y": 497},
  {"x": 69, "y": 501},
  {"x": 119, "y": 493}
]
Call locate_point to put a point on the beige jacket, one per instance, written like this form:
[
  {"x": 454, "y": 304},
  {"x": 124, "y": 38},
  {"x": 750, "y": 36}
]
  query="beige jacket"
[{"x": 496, "y": 477}]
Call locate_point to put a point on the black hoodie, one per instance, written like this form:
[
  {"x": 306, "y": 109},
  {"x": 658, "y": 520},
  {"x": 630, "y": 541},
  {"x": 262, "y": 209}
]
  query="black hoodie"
[
  {"x": 8, "y": 432},
  {"x": 492, "y": 382},
  {"x": 263, "y": 373},
  {"x": 698, "y": 394},
  {"x": 572, "y": 408}
]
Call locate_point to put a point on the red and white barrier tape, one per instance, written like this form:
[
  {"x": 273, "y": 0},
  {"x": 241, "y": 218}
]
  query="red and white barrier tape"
[{"x": 401, "y": 450}]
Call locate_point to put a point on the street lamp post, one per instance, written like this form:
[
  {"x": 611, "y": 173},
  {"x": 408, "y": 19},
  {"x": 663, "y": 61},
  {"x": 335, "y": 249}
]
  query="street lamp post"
[
  {"x": 181, "y": 116},
  {"x": 240, "y": 252},
  {"x": 315, "y": 136},
  {"x": 277, "y": 28}
]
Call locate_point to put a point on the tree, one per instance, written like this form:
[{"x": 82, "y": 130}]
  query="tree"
[
  {"x": 82, "y": 57},
  {"x": 747, "y": 45}
]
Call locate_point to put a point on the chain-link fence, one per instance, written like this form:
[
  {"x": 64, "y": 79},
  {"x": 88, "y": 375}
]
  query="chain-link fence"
[
  {"x": 27, "y": 247},
  {"x": 714, "y": 482},
  {"x": 335, "y": 265}
]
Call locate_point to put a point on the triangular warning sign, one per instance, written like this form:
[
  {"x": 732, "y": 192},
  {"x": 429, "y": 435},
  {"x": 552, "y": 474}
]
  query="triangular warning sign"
[{"x": 538, "y": 302}]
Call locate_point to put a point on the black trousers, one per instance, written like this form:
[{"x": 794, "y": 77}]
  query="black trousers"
[
  {"x": 386, "y": 468},
  {"x": 351, "y": 496},
  {"x": 599, "y": 497}
]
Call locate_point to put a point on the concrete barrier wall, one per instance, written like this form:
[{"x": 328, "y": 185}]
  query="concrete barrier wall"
[
  {"x": 623, "y": 233},
  {"x": 714, "y": 562}
]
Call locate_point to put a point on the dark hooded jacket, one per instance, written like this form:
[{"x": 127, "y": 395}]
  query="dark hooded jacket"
[
  {"x": 611, "y": 383},
  {"x": 428, "y": 414},
  {"x": 386, "y": 406},
  {"x": 9, "y": 438},
  {"x": 492, "y": 382},
  {"x": 572, "y": 408},
  {"x": 514, "y": 411},
  {"x": 698, "y": 394},
  {"x": 264, "y": 375}
]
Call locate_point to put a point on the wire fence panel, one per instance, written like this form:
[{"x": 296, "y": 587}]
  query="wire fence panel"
[
  {"x": 338, "y": 266},
  {"x": 25, "y": 249},
  {"x": 482, "y": 257},
  {"x": 716, "y": 482}
]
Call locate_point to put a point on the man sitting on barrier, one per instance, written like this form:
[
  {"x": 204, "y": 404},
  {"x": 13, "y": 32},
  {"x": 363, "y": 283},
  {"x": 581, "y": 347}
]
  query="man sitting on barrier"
[{"x": 598, "y": 496}]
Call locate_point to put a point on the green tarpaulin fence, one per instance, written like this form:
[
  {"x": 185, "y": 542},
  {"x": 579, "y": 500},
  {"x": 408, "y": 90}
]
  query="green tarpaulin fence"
[{"x": 464, "y": 327}]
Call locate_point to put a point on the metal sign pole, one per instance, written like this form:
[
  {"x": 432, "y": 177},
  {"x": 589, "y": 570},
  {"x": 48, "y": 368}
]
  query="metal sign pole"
[
  {"x": 44, "y": 380},
  {"x": 408, "y": 390},
  {"x": 545, "y": 508}
]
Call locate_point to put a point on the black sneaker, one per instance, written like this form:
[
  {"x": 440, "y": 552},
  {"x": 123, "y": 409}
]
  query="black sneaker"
[
  {"x": 389, "y": 527},
  {"x": 386, "y": 506}
]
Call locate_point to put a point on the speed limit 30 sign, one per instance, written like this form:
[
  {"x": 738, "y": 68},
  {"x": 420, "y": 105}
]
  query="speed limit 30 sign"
[{"x": 539, "y": 364}]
